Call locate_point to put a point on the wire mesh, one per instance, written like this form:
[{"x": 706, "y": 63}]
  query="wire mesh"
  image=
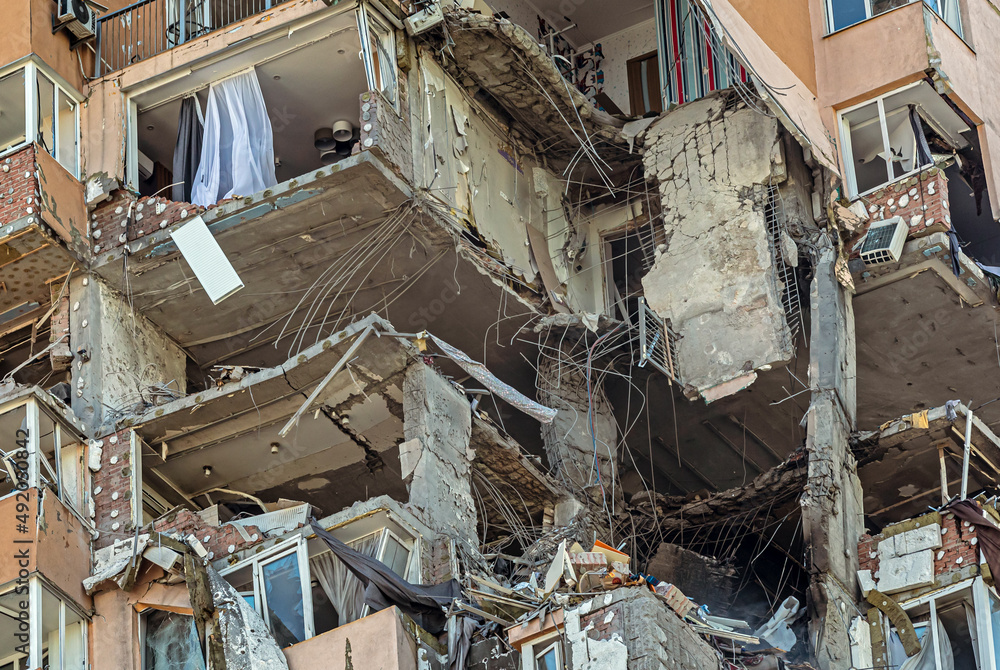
[{"x": 786, "y": 284}]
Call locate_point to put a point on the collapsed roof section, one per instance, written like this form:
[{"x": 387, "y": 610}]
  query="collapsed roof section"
[
  {"x": 916, "y": 461},
  {"x": 504, "y": 60}
]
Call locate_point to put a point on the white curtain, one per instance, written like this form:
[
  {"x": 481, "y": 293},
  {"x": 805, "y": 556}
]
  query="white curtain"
[
  {"x": 343, "y": 589},
  {"x": 237, "y": 154}
]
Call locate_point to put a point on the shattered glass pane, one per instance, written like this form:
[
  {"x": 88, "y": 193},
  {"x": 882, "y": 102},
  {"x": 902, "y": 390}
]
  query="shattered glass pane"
[
  {"x": 171, "y": 642},
  {"x": 283, "y": 595}
]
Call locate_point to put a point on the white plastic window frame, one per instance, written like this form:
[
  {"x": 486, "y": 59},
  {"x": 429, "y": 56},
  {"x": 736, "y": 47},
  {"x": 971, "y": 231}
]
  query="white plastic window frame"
[
  {"x": 295, "y": 546},
  {"x": 32, "y": 592},
  {"x": 373, "y": 26},
  {"x": 981, "y": 637},
  {"x": 847, "y": 150},
  {"x": 36, "y": 460},
  {"x": 383, "y": 541},
  {"x": 530, "y": 651},
  {"x": 937, "y": 6},
  {"x": 33, "y": 69}
]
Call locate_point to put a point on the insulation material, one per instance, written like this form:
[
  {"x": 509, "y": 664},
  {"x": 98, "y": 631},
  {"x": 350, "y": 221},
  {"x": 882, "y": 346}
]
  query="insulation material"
[
  {"x": 247, "y": 643},
  {"x": 112, "y": 562}
]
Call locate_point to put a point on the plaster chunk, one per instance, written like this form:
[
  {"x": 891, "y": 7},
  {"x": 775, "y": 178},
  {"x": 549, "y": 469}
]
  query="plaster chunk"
[{"x": 906, "y": 572}]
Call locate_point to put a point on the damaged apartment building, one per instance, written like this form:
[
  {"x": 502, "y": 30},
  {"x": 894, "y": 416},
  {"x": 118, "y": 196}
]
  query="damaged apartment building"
[{"x": 501, "y": 335}]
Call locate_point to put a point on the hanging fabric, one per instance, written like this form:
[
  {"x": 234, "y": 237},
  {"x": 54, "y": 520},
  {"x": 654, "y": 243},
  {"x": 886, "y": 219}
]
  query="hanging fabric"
[
  {"x": 187, "y": 149},
  {"x": 341, "y": 587},
  {"x": 923, "y": 149},
  {"x": 237, "y": 154}
]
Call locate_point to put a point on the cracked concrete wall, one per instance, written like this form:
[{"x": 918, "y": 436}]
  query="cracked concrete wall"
[
  {"x": 569, "y": 446},
  {"x": 714, "y": 278},
  {"x": 125, "y": 352},
  {"x": 435, "y": 459}
]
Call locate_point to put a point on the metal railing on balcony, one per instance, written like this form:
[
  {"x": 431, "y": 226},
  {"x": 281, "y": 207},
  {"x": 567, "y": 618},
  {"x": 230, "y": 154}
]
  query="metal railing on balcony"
[{"x": 150, "y": 27}]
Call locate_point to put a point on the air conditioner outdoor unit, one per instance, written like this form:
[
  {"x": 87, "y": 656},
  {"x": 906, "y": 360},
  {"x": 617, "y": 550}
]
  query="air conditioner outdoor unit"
[
  {"x": 425, "y": 19},
  {"x": 884, "y": 242},
  {"x": 77, "y": 17}
]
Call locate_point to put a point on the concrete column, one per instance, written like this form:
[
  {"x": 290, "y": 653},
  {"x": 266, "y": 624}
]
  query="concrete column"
[
  {"x": 436, "y": 459},
  {"x": 832, "y": 508},
  {"x": 118, "y": 353},
  {"x": 569, "y": 446}
]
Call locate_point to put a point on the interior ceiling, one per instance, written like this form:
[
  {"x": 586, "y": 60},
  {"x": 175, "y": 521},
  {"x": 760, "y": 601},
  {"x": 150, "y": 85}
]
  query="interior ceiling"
[
  {"x": 724, "y": 444},
  {"x": 901, "y": 477},
  {"x": 595, "y": 20},
  {"x": 922, "y": 347},
  {"x": 304, "y": 89}
]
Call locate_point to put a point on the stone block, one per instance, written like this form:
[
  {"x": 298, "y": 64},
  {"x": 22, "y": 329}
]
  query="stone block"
[{"x": 906, "y": 572}]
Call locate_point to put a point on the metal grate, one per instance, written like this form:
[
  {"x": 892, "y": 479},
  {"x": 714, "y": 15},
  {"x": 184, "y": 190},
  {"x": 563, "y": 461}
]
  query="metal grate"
[
  {"x": 149, "y": 27},
  {"x": 657, "y": 343},
  {"x": 786, "y": 283}
]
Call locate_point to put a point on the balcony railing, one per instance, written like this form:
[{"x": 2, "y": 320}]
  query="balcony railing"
[{"x": 150, "y": 27}]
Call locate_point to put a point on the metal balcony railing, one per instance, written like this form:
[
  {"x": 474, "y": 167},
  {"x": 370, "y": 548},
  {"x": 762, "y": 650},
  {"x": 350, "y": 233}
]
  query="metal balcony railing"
[{"x": 150, "y": 27}]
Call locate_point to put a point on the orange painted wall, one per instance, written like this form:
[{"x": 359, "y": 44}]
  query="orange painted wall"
[
  {"x": 58, "y": 545},
  {"x": 785, "y": 26}
]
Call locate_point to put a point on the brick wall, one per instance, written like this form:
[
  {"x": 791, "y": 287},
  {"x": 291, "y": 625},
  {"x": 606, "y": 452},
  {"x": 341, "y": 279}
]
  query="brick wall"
[
  {"x": 921, "y": 201},
  {"x": 108, "y": 228},
  {"x": 958, "y": 541},
  {"x": 219, "y": 541},
  {"x": 387, "y": 132},
  {"x": 112, "y": 492},
  {"x": 19, "y": 194}
]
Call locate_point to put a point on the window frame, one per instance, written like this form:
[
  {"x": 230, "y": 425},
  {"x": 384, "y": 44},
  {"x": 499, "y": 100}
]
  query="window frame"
[
  {"x": 33, "y": 409},
  {"x": 300, "y": 549},
  {"x": 937, "y": 8},
  {"x": 36, "y": 587},
  {"x": 543, "y": 644},
  {"x": 847, "y": 149},
  {"x": 142, "y": 634},
  {"x": 374, "y": 26},
  {"x": 34, "y": 68}
]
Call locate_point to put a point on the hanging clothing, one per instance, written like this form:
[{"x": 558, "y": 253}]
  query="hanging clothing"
[
  {"x": 341, "y": 587},
  {"x": 187, "y": 149},
  {"x": 237, "y": 154}
]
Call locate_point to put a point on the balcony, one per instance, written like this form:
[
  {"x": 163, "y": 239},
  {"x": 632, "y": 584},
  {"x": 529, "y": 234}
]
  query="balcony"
[
  {"x": 150, "y": 27},
  {"x": 382, "y": 640}
]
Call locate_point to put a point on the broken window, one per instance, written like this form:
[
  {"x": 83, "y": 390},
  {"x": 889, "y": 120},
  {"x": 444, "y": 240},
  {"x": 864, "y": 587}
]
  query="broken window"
[
  {"x": 956, "y": 627},
  {"x": 844, "y": 13},
  {"x": 299, "y": 597},
  {"x": 886, "y": 139},
  {"x": 42, "y": 451},
  {"x": 33, "y": 611},
  {"x": 170, "y": 642},
  {"x": 627, "y": 257},
  {"x": 378, "y": 49},
  {"x": 34, "y": 107}
]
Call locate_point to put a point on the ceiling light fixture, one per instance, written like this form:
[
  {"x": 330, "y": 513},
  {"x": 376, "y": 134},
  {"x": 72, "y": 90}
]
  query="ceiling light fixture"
[{"x": 207, "y": 470}]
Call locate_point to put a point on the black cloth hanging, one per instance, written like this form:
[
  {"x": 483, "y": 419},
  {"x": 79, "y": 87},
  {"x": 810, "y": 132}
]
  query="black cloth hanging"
[
  {"x": 187, "y": 150},
  {"x": 923, "y": 156},
  {"x": 384, "y": 588},
  {"x": 988, "y": 534}
]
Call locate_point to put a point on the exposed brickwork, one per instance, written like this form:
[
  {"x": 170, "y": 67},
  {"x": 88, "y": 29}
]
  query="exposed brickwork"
[
  {"x": 19, "y": 193},
  {"x": 956, "y": 542},
  {"x": 219, "y": 541},
  {"x": 112, "y": 493},
  {"x": 61, "y": 355},
  {"x": 108, "y": 228},
  {"x": 921, "y": 201},
  {"x": 388, "y": 132}
]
